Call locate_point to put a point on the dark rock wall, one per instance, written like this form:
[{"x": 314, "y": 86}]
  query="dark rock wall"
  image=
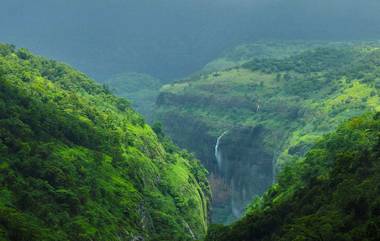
[
  {"x": 246, "y": 169},
  {"x": 246, "y": 166}
]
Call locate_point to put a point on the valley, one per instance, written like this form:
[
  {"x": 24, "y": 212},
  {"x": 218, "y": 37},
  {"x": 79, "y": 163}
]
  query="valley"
[
  {"x": 78, "y": 163},
  {"x": 273, "y": 109},
  {"x": 273, "y": 125},
  {"x": 192, "y": 120}
]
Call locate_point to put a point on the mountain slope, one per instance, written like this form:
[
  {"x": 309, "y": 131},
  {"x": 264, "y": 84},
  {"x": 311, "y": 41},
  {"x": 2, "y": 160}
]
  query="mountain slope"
[
  {"x": 273, "y": 109},
  {"x": 244, "y": 53},
  {"x": 331, "y": 194},
  {"x": 141, "y": 89},
  {"x": 77, "y": 163}
]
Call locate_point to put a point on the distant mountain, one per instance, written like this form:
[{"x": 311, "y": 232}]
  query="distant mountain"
[
  {"x": 170, "y": 39},
  {"x": 241, "y": 54},
  {"x": 77, "y": 163},
  {"x": 141, "y": 89}
]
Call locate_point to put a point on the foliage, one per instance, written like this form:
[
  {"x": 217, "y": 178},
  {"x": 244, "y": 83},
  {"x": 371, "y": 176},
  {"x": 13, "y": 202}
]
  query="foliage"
[
  {"x": 333, "y": 193},
  {"x": 298, "y": 95},
  {"x": 77, "y": 163},
  {"x": 261, "y": 50}
]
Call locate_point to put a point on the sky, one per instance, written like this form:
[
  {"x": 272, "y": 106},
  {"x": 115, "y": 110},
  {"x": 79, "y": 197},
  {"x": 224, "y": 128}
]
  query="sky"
[{"x": 172, "y": 38}]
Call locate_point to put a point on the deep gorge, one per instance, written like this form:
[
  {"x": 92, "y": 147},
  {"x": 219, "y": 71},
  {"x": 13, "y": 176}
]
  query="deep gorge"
[
  {"x": 261, "y": 115},
  {"x": 190, "y": 120},
  {"x": 246, "y": 168}
]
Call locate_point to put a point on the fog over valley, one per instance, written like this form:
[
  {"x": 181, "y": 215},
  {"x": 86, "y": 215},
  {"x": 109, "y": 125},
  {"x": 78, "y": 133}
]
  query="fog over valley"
[{"x": 169, "y": 38}]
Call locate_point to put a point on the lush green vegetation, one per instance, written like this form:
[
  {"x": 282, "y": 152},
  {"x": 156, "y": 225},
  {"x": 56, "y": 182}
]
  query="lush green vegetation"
[
  {"x": 141, "y": 89},
  {"x": 337, "y": 83},
  {"x": 77, "y": 163},
  {"x": 331, "y": 194},
  {"x": 259, "y": 50},
  {"x": 296, "y": 97}
]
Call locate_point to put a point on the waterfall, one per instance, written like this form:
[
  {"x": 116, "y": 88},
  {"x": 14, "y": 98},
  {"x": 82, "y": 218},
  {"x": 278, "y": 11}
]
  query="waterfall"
[{"x": 218, "y": 154}]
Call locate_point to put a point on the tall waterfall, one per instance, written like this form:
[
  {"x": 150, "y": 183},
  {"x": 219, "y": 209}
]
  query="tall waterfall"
[{"x": 218, "y": 154}]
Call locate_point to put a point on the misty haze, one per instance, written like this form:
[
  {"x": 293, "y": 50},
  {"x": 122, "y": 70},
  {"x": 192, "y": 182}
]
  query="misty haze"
[{"x": 207, "y": 120}]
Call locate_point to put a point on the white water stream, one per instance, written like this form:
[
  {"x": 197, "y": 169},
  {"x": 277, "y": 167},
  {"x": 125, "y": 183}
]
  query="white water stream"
[{"x": 218, "y": 154}]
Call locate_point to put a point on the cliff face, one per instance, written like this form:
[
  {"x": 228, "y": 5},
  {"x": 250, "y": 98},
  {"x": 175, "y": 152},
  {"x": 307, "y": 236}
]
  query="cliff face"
[
  {"x": 273, "y": 109},
  {"x": 245, "y": 166},
  {"x": 78, "y": 163},
  {"x": 332, "y": 193},
  {"x": 192, "y": 135}
]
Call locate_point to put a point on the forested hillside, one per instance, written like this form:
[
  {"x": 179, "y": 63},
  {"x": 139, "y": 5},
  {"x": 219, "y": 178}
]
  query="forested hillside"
[
  {"x": 246, "y": 121},
  {"x": 244, "y": 53},
  {"x": 141, "y": 89},
  {"x": 331, "y": 194},
  {"x": 190, "y": 120},
  {"x": 77, "y": 163}
]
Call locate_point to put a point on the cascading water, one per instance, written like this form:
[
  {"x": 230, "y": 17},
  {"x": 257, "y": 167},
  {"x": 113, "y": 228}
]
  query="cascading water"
[
  {"x": 244, "y": 169},
  {"x": 218, "y": 154}
]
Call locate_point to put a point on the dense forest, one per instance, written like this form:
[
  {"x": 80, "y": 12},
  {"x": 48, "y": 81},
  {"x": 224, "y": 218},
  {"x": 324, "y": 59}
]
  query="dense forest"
[
  {"x": 330, "y": 194},
  {"x": 289, "y": 133},
  {"x": 271, "y": 107},
  {"x": 190, "y": 120},
  {"x": 77, "y": 163}
]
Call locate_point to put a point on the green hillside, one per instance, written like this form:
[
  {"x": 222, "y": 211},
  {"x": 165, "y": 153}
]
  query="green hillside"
[
  {"x": 141, "y": 89},
  {"x": 244, "y": 53},
  {"x": 273, "y": 108},
  {"x": 331, "y": 194},
  {"x": 77, "y": 163}
]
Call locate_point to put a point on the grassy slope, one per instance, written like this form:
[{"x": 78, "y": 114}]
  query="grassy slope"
[
  {"x": 77, "y": 163},
  {"x": 301, "y": 97},
  {"x": 301, "y": 104},
  {"x": 331, "y": 194}
]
